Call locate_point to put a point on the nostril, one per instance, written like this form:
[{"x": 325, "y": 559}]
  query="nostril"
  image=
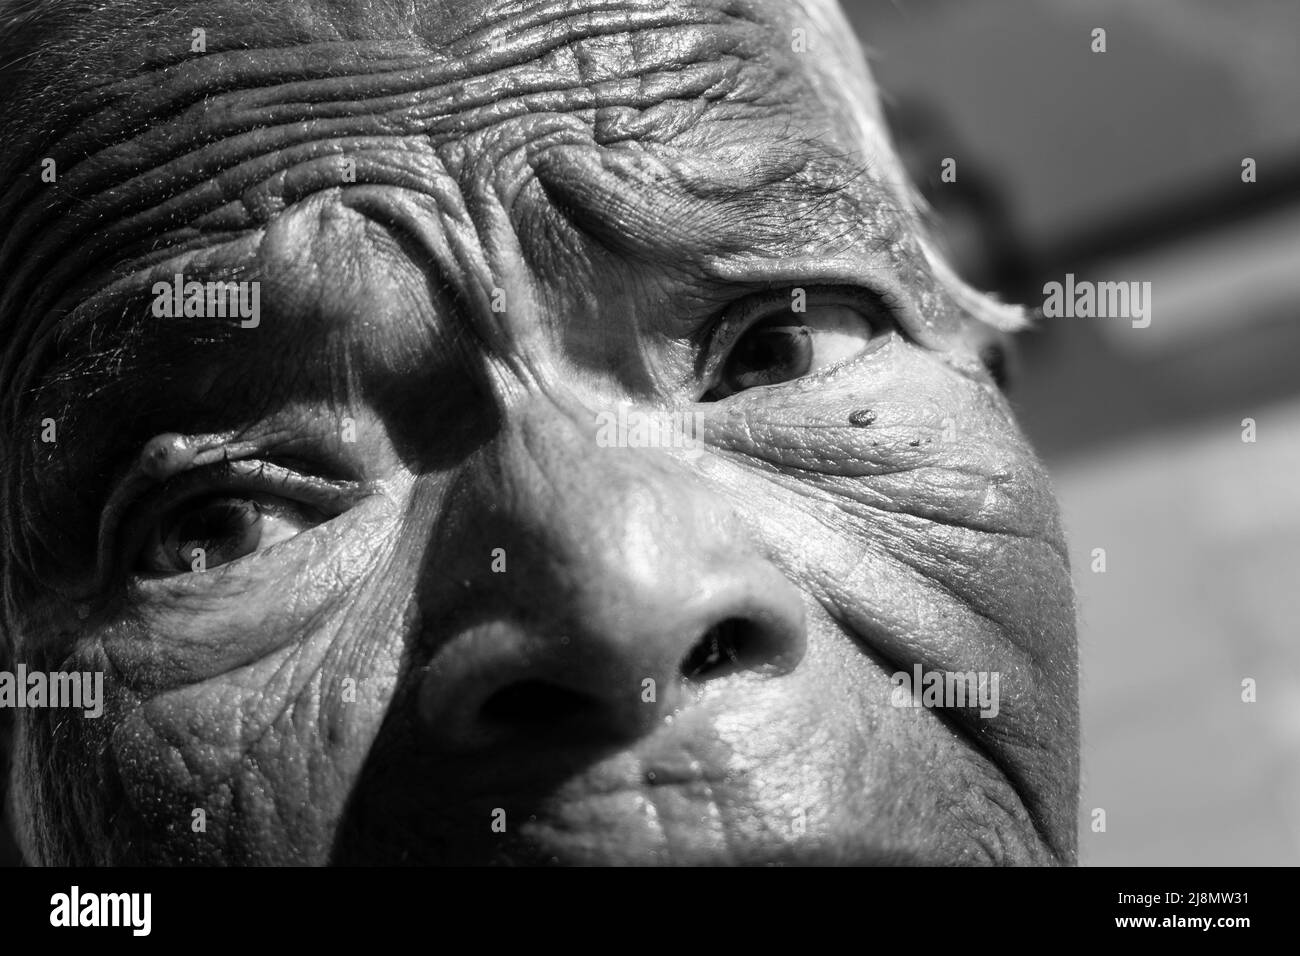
[
  {"x": 729, "y": 647},
  {"x": 533, "y": 701}
]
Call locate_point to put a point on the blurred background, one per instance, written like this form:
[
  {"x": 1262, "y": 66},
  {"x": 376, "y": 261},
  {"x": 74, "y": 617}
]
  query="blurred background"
[{"x": 1127, "y": 166}]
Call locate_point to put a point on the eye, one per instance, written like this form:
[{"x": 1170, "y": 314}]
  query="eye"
[
  {"x": 205, "y": 533},
  {"x": 769, "y": 343}
]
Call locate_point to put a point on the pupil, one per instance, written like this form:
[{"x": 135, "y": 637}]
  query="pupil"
[
  {"x": 772, "y": 354},
  {"x": 220, "y": 529}
]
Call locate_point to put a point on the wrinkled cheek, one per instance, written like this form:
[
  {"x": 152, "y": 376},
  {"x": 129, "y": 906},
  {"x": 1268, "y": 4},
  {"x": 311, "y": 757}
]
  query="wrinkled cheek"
[
  {"x": 905, "y": 498},
  {"x": 208, "y": 775},
  {"x": 252, "y": 766},
  {"x": 849, "y": 777},
  {"x": 244, "y": 746}
]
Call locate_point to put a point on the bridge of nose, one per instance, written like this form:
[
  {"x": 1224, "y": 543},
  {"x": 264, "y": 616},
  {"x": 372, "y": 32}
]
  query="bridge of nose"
[{"x": 616, "y": 533}]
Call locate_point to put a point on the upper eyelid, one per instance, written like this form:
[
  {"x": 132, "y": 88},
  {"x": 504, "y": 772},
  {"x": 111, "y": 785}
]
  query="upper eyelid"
[{"x": 270, "y": 475}]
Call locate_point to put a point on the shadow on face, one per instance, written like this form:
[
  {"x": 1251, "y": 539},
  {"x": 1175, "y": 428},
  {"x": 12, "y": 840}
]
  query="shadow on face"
[{"x": 588, "y": 462}]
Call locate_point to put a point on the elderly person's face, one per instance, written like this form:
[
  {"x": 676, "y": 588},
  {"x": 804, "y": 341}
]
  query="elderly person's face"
[{"x": 387, "y": 575}]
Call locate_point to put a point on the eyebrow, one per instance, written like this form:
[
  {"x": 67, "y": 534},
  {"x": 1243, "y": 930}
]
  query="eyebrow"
[{"x": 781, "y": 197}]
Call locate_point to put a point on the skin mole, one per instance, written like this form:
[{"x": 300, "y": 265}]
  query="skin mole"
[
  {"x": 541, "y": 518},
  {"x": 165, "y": 455}
]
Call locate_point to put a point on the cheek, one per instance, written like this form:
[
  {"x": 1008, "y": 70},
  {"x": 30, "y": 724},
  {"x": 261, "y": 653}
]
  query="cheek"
[
  {"x": 906, "y": 490},
  {"x": 250, "y": 768},
  {"x": 235, "y": 719},
  {"x": 900, "y": 434},
  {"x": 246, "y": 768},
  {"x": 902, "y": 498}
]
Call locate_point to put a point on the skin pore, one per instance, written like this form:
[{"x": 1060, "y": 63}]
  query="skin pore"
[{"x": 435, "y": 599}]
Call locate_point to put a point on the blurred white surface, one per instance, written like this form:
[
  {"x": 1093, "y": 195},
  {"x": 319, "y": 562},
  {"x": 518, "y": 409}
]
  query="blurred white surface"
[{"x": 1202, "y": 589}]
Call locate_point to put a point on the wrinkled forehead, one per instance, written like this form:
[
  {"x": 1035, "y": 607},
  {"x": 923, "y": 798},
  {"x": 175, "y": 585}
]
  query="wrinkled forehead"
[
  {"x": 125, "y": 87},
  {"x": 178, "y": 128},
  {"x": 53, "y": 49}
]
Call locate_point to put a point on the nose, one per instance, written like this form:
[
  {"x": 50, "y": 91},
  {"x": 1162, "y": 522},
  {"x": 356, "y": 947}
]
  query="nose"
[{"x": 625, "y": 587}]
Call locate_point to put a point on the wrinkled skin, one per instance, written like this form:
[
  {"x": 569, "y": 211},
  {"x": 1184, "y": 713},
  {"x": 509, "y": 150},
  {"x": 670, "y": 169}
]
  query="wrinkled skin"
[{"x": 371, "y": 688}]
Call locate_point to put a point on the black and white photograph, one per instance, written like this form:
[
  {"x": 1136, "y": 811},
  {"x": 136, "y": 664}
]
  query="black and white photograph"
[{"x": 650, "y": 433}]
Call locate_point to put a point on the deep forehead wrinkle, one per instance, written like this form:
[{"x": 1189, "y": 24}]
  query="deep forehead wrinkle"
[
  {"x": 195, "y": 139},
  {"x": 119, "y": 58},
  {"x": 441, "y": 70}
]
